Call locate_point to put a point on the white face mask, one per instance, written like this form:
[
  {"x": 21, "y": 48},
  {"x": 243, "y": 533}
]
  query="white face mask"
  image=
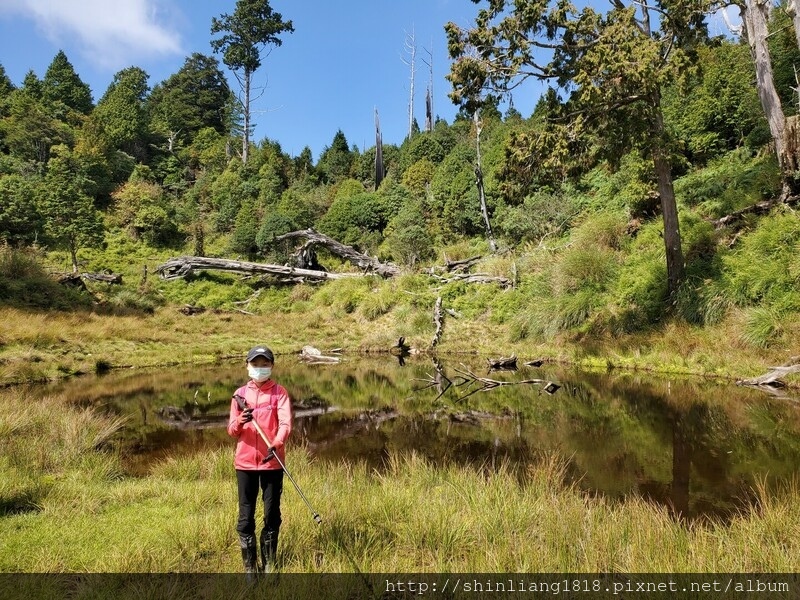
[{"x": 259, "y": 374}]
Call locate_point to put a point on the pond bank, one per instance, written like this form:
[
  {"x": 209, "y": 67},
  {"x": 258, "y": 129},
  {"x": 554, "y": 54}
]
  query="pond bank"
[{"x": 40, "y": 345}]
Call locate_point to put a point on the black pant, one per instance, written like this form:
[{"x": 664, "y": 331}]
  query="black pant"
[{"x": 271, "y": 483}]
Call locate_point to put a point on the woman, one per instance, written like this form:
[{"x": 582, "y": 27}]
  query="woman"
[{"x": 261, "y": 401}]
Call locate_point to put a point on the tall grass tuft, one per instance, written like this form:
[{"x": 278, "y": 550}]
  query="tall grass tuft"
[{"x": 24, "y": 282}]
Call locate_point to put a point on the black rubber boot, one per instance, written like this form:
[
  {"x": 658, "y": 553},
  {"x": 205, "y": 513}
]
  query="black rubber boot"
[
  {"x": 269, "y": 550},
  {"x": 249, "y": 557}
]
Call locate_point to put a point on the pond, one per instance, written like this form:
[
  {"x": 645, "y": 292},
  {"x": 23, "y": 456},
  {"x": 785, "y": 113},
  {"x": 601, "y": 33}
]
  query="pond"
[{"x": 695, "y": 446}]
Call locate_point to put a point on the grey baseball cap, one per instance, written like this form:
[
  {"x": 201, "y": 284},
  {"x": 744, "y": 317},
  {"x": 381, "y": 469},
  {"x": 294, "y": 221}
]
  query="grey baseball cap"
[{"x": 261, "y": 351}]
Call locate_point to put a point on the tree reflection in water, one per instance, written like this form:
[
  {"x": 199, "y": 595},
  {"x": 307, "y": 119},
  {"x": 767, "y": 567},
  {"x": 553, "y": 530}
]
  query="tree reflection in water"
[{"x": 693, "y": 446}]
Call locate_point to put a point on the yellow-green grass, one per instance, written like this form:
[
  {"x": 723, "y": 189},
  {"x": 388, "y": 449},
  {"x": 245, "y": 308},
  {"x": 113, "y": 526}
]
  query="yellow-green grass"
[
  {"x": 38, "y": 345},
  {"x": 66, "y": 508}
]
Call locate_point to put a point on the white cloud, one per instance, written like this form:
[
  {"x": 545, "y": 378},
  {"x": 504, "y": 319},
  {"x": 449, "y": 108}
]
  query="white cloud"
[{"x": 110, "y": 33}]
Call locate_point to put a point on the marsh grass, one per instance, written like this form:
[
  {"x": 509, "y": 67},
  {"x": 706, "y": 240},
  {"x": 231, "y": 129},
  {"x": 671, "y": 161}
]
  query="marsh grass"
[{"x": 79, "y": 514}]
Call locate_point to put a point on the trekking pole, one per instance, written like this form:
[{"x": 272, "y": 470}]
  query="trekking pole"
[{"x": 243, "y": 405}]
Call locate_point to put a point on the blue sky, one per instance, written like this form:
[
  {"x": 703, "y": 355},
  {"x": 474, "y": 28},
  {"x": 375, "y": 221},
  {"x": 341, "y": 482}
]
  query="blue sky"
[{"x": 344, "y": 60}]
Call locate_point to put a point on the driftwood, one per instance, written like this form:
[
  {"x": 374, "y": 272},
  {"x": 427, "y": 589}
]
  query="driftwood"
[
  {"x": 469, "y": 378},
  {"x": 454, "y": 266},
  {"x": 508, "y": 363},
  {"x": 313, "y": 356},
  {"x": 367, "y": 263},
  {"x": 187, "y": 417},
  {"x": 772, "y": 379},
  {"x": 72, "y": 280},
  {"x": 176, "y": 268},
  {"x": 759, "y": 208},
  {"x": 534, "y": 363},
  {"x": 77, "y": 279},
  {"x": 189, "y": 310},
  {"x": 104, "y": 277},
  {"x": 503, "y": 282}
]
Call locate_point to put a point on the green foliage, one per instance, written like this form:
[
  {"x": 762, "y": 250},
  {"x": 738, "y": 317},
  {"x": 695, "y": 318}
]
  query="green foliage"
[
  {"x": 229, "y": 192},
  {"x": 243, "y": 240},
  {"x": 423, "y": 146},
  {"x": 28, "y": 130},
  {"x": 454, "y": 204},
  {"x": 630, "y": 187},
  {"x": 640, "y": 290},
  {"x": 252, "y": 27},
  {"x": 729, "y": 183},
  {"x": 785, "y": 56},
  {"x": 351, "y": 219},
  {"x": 145, "y": 211},
  {"x": 542, "y": 214},
  {"x": 762, "y": 326},
  {"x": 417, "y": 178},
  {"x": 721, "y": 110},
  {"x": 71, "y": 220},
  {"x": 336, "y": 160},
  {"x": 121, "y": 114},
  {"x": 20, "y": 220},
  {"x": 764, "y": 269},
  {"x": 273, "y": 224},
  {"x": 61, "y": 85},
  {"x": 194, "y": 98},
  {"x": 407, "y": 239}
]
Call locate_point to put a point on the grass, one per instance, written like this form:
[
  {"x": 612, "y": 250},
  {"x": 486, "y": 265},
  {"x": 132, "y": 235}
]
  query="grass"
[{"x": 80, "y": 515}]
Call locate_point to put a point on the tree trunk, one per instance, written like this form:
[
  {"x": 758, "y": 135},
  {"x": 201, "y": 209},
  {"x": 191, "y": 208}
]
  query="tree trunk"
[
  {"x": 756, "y": 18},
  {"x": 73, "y": 253},
  {"x": 479, "y": 183},
  {"x": 794, "y": 13},
  {"x": 669, "y": 208},
  {"x": 246, "y": 133}
]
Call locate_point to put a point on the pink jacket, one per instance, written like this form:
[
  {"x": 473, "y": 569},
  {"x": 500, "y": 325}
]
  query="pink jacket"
[{"x": 272, "y": 410}]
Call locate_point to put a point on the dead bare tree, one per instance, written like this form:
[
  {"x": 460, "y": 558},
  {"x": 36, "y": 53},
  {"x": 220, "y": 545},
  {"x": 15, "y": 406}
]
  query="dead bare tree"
[
  {"x": 429, "y": 91},
  {"x": 479, "y": 181},
  {"x": 410, "y": 47},
  {"x": 379, "y": 169},
  {"x": 367, "y": 263}
]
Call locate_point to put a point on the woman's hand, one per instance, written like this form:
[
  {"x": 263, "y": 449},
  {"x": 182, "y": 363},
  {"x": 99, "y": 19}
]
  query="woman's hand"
[{"x": 246, "y": 416}]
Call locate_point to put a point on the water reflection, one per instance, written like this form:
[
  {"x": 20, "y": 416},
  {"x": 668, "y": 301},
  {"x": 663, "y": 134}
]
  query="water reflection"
[{"x": 695, "y": 447}]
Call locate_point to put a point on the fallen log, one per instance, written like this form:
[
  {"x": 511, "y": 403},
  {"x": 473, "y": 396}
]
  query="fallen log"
[
  {"x": 176, "y": 268},
  {"x": 104, "y": 277},
  {"x": 313, "y": 356},
  {"x": 759, "y": 208},
  {"x": 362, "y": 261},
  {"x": 509, "y": 363},
  {"x": 189, "y": 310},
  {"x": 773, "y": 378},
  {"x": 503, "y": 282}
]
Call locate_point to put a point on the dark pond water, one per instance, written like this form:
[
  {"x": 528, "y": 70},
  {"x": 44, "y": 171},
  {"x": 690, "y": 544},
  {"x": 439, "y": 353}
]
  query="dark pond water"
[{"x": 695, "y": 446}]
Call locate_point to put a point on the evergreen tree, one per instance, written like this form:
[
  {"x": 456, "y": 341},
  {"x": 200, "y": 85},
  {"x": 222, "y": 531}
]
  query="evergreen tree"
[
  {"x": 71, "y": 220},
  {"x": 336, "y": 160},
  {"x": 20, "y": 220},
  {"x": 195, "y": 97},
  {"x": 613, "y": 64},
  {"x": 62, "y": 84},
  {"x": 28, "y": 130},
  {"x": 252, "y": 28},
  {"x": 121, "y": 113},
  {"x": 6, "y": 87}
]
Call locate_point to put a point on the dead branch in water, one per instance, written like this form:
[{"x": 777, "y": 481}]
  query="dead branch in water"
[{"x": 468, "y": 378}]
